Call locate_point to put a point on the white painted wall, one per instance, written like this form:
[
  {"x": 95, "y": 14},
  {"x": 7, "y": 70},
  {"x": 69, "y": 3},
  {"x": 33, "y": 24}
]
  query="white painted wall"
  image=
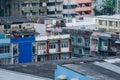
[{"x": 65, "y": 49}]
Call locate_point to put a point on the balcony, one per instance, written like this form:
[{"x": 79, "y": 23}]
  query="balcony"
[
  {"x": 26, "y": 9},
  {"x": 78, "y": 9},
  {"x": 83, "y": 1},
  {"x": 94, "y": 47},
  {"x": 59, "y": 8},
  {"x": 35, "y": 1},
  {"x": 51, "y": 0},
  {"x": 70, "y": 11},
  {"x": 35, "y": 9},
  {"x": 59, "y": 0},
  {"x": 103, "y": 48},
  {"x": 26, "y": 1},
  {"x": 42, "y": 52},
  {"x": 51, "y": 8},
  {"x": 5, "y": 55},
  {"x": 43, "y": 9},
  {"x": 81, "y": 16}
]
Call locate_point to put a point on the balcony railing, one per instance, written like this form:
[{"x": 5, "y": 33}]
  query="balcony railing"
[
  {"x": 51, "y": 0},
  {"x": 83, "y": 1},
  {"x": 59, "y": 0},
  {"x": 83, "y": 9}
]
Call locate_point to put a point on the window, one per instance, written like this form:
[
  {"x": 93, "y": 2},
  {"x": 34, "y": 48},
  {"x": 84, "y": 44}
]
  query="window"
[
  {"x": 95, "y": 41},
  {"x": 73, "y": 50},
  {"x": 20, "y": 26},
  {"x": 100, "y": 22},
  {"x": 6, "y": 26},
  {"x": 80, "y": 51},
  {"x": 64, "y": 45},
  {"x": 41, "y": 46},
  {"x": 5, "y": 48},
  {"x": 110, "y": 23},
  {"x": 72, "y": 39},
  {"x": 52, "y": 46},
  {"x": 87, "y": 42},
  {"x": 104, "y": 43},
  {"x": 116, "y": 24},
  {"x": 79, "y": 40}
]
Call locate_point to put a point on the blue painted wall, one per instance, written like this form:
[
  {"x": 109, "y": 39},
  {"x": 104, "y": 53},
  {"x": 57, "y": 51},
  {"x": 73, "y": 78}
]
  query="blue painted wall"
[
  {"x": 25, "y": 52},
  {"x": 69, "y": 74},
  {"x": 20, "y": 40},
  {"x": 25, "y": 48}
]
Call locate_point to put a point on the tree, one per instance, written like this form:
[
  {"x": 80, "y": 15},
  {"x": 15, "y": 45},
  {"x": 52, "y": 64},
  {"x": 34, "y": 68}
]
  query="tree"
[
  {"x": 109, "y": 7},
  {"x": 97, "y": 12}
]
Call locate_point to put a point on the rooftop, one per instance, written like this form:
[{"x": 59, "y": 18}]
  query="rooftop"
[
  {"x": 96, "y": 70},
  {"x": 10, "y": 20},
  {"x": 12, "y": 75},
  {"x": 110, "y": 16},
  {"x": 44, "y": 69}
]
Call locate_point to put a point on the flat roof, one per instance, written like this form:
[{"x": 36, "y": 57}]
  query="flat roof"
[
  {"x": 43, "y": 69},
  {"x": 13, "y": 75},
  {"x": 96, "y": 71},
  {"x": 11, "y": 19},
  {"x": 109, "y": 16}
]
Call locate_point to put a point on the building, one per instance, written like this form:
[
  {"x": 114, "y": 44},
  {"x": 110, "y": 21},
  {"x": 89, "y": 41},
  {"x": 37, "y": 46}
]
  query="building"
[
  {"x": 84, "y": 8},
  {"x": 52, "y": 24},
  {"x": 80, "y": 41},
  {"x": 93, "y": 70},
  {"x": 69, "y": 8},
  {"x": 5, "y": 51},
  {"x": 54, "y": 8},
  {"x": 17, "y": 27},
  {"x": 108, "y": 22},
  {"x": 54, "y": 47},
  {"x": 64, "y": 73},
  {"x": 33, "y": 8},
  {"x": 103, "y": 43},
  {"x": 35, "y": 49},
  {"x": 10, "y": 7},
  {"x": 87, "y": 23}
]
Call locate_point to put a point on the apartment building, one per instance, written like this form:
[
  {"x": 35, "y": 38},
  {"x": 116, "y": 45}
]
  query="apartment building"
[
  {"x": 103, "y": 43},
  {"x": 10, "y": 7},
  {"x": 54, "y": 8},
  {"x": 16, "y": 27},
  {"x": 33, "y": 8},
  {"x": 84, "y": 8},
  {"x": 5, "y": 51},
  {"x": 80, "y": 41},
  {"x": 69, "y": 8},
  {"x": 108, "y": 22},
  {"x": 34, "y": 49},
  {"x": 52, "y": 24}
]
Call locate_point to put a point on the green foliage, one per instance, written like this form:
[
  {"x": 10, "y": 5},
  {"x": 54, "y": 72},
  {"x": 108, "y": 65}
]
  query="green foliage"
[
  {"x": 109, "y": 6},
  {"x": 97, "y": 12}
]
